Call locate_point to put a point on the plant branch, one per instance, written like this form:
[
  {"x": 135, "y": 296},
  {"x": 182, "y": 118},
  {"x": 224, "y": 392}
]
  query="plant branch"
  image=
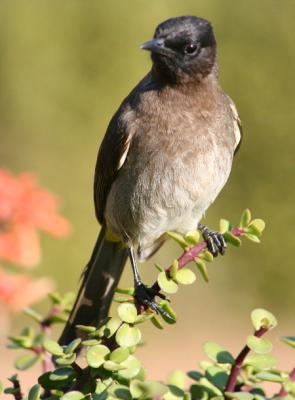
[
  {"x": 193, "y": 252},
  {"x": 236, "y": 367}
]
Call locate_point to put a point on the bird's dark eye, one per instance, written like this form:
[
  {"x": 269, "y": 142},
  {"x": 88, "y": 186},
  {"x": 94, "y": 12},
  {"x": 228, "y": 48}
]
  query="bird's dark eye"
[{"x": 191, "y": 49}]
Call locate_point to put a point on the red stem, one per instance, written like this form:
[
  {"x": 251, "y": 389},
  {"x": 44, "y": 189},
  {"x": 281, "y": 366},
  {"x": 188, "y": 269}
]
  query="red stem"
[
  {"x": 236, "y": 367},
  {"x": 192, "y": 253},
  {"x": 284, "y": 392}
]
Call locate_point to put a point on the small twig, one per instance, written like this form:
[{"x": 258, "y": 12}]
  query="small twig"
[
  {"x": 236, "y": 367},
  {"x": 283, "y": 392},
  {"x": 45, "y": 325},
  {"x": 192, "y": 253},
  {"x": 16, "y": 385}
]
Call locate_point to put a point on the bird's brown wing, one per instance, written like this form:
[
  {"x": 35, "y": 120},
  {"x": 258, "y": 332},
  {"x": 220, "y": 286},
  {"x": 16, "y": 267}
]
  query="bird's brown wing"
[
  {"x": 238, "y": 130},
  {"x": 111, "y": 156}
]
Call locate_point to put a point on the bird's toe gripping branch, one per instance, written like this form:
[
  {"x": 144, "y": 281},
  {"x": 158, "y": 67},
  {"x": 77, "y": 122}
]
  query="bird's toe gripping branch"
[
  {"x": 145, "y": 297},
  {"x": 214, "y": 240}
]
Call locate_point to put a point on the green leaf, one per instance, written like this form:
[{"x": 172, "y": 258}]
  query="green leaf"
[
  {"x": 261, "y": 317},
  {"x": 195, "y": 375},
  {"x": 206, "y": 255},
  {"x": 33, "y": 314},
  {"x": 73, "y": 395},
  {"x": 217, "y": 376},
  {"x": 178, "y": 239},
  {"x": 147, "y": 389},
  {"x": 119, "y": 355},
  {"x": 224, "y": 225},
  {"x": 72, "y": 346},
  {"x": 128, "y": 336},
  {"x": 185, "y": 276},
  {"x": 258, "y": 224},
  {"x": 269, "y": 376},
  {"x": 132, "y": 368},
  {"x": 66, "y": 360},
  {"x": 62, "y": 374},
  {"x": 111, "y": 327},
  {"x": 252, "y": 238},
  {"x": 239, "y": 395},
  {"x": 156, "y": 322},
  {"x": 166, "y": 284},
  {"x": 86, "y": 328},
  {"x": 119, "y": 392},
  {"x": 96, "y": 355},
  {"x": 127, "y": 312},
  {"x": 173, "y": 269},
  {"x": 177, "y": 378},
  {"x": 192, "y": 237},
  {"x": 232, "y": 239},
  {"x": 245, "y": 218},
  {"x": 218, "y": 354},
  {"x": 1, "y": 387},
  {"x": 26, "y": 361},
  {"x": 112, "y": 366},
  {"x": 165, "y": 305},
  {"x": 21, "y": 341},
  {"x": 290, "y": 340},
  {"x": 35, "y": 393},
  {"x": 129, "y": 291},
  {"x": 261, "y": 361},
  {"x": 53, "y": 347},
  {"x": 259, "y": 345},
  {"x": 90, "y": 342},
  {"x": 202, "y": 267}
]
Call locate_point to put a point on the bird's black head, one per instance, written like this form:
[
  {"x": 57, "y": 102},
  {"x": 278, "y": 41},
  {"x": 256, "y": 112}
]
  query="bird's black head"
[{"x": 183, "y": 49}]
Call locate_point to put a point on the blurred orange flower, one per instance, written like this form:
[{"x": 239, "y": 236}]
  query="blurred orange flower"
[
  {"x": 25, "y": 208},
  {"x": 18, "y": 290}
]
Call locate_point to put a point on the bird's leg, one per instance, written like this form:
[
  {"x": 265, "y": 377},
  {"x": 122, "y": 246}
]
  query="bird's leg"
[
  {"x": 215, "y": 240},
  {"x": 143, "y": 295}
]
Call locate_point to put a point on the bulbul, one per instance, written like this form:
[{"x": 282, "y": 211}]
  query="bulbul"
[{"x": 166, "y": 155}]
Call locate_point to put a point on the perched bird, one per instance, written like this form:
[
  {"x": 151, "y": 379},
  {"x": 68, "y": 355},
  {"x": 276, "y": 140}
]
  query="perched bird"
[{"x": 166, "y": 155}]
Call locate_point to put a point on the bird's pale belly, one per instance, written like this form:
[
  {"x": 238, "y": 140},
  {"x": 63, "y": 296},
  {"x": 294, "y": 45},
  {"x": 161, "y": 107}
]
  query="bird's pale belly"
[{"x": 165, "y": 194}]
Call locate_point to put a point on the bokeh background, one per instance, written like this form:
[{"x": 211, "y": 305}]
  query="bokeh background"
[{"x": 64, "y": 68}]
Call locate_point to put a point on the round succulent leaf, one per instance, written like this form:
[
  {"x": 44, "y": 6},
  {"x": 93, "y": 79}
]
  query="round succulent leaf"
[
  {"x": 112, "y": 366},
  {"x": 202, "y": 267},
  {"x": 86, "y": 328},
  {"x": 128, "y": 336},
  {"x": 127, "y": 312},
  {"x": 261, "y": 361},
  {"x": 26, "y": 361},
  {"x": 73, "y": 395},
  {"x": 261, "y": 317},
  {"x": 240, "y": 395},
  {"x": 96, "y": 355},
  {"x": 177, "y": 378},
  {"x": 232, "y": 239},
  {"x": 167, "y": 284},
  {"x": 245, "y": 218},
  {"x": 217, "y": 376},
  {"x": 119, "y": 392},
  {"x": 178, "y": 238},
  {"x": 259, "y": 224},
  {"x": 252, "y": 238},
  {"x": 91, "y": 342},
  {"x": 290, "y": 340},
  {"x": 224, "y": 225},
  {"x": 119, "y": 355},
  {"x": 170, "y": 315},
  {"x": 206, "y": 255},
  {"x": 218, "y": 354},
  {"x": 72, "y": 346},
  {"x": 132, "y": 368},
  {"x": 148, "y": 389},
  {"x": 61, "y": 374},
  {"x": 66, "y": 360},
  {"x": 111, "y": 327},
  {"x": 35, "y": 392},
  {"x": 195, "y": 375},
  {"x": 53, "y": 347},
  {"x": 33, "y": 314},
  {"x": 192, "y": 237},
  {"x": 270, "y": 376},
  {"x": 185, "y": 276},
  {"x": 259, "y": 345}
]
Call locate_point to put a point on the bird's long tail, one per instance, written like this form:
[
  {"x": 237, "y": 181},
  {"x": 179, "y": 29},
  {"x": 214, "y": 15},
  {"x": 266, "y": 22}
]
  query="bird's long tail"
[{"x": 100, "y": 280}]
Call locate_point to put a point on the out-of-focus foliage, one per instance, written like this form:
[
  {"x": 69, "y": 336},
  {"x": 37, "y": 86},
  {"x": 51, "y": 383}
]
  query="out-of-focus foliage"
[{"x": 66, "y": 65}]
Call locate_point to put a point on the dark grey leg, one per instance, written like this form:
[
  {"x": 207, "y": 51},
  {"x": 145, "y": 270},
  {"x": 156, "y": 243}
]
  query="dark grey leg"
[{"x": 215, "y": 240}]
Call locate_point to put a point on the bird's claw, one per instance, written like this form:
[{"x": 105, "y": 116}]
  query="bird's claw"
[
  {"x": 145, "y": 297},
  {"x": 215, "y": 241}
]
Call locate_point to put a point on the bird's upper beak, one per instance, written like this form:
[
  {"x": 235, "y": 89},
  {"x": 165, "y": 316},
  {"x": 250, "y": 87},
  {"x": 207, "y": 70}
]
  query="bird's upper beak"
[{"x": 155, "y": 46}]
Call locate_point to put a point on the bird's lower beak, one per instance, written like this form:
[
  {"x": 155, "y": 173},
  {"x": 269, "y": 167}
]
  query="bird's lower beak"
[{"x": 154, "y": 45}]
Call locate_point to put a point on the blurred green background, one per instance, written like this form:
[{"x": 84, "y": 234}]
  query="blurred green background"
[{"x": 64, "y": 68}]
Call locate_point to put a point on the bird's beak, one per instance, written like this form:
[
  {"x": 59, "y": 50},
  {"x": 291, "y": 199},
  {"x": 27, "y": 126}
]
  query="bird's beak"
[{"x": 154, "y": 45}]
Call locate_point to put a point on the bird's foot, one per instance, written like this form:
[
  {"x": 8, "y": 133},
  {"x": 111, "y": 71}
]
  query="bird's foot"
[
  {"x": 145, "y": 297},
  {"x": 215, "y": 240}
]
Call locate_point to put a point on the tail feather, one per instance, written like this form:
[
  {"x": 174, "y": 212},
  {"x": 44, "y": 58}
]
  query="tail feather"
[{"x": 100, "y": 279}]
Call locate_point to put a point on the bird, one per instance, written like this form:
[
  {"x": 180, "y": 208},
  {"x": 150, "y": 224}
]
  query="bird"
[{"x": 166, "y": 155}]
